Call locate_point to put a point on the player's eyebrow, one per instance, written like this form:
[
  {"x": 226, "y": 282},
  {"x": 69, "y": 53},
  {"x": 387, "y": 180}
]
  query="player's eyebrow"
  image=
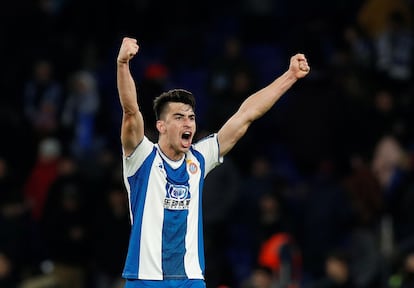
[{"x": 181, "y": 114}]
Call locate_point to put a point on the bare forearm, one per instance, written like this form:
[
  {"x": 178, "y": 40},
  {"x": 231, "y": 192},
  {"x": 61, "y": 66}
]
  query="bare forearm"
[
  {"x": 256, "y": 105},
  {"x": 263, "y": 100},
  {"x": 126, "y": 89}
]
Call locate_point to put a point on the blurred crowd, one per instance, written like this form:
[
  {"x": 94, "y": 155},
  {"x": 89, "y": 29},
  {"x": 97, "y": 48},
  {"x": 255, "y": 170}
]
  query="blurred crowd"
[{"x": 320, "y": 192}]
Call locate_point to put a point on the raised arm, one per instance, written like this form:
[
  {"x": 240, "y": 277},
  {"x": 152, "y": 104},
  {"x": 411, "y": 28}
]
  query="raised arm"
[
  {"x": 132, "y": 129},
  {"x": 257, "y": 104}
]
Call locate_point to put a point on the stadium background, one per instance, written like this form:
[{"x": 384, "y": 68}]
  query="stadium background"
[{"x": 329, "y": 167}]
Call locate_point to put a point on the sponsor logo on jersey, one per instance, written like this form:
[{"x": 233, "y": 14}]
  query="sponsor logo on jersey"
[{"x": 177, "y": 198}]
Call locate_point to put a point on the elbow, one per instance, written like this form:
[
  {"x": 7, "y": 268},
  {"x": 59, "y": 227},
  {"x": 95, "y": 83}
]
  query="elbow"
[
  {"x": 130, "y": 110},
  {"x": 251, "y": 115}
]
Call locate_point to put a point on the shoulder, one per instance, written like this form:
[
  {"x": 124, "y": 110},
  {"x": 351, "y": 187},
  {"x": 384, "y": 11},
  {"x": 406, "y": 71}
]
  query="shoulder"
[
  {"x": 208, "y": 148},
  {"x": 144, "y": 149},
  {"x": 212, "y": 138}
]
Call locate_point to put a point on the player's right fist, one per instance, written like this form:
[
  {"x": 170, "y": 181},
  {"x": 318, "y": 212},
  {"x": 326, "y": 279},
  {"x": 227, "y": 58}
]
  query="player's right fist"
[{"x": 129, "y": 48}]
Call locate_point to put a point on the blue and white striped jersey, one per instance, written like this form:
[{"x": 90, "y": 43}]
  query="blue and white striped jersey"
[{"x": 165, "y": 199}]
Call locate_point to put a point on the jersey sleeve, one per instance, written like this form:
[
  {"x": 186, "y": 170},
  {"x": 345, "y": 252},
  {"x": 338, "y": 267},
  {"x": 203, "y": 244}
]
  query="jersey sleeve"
[
  {"x": 135, "y": 160},
  {"x": 210, "y": 149}
]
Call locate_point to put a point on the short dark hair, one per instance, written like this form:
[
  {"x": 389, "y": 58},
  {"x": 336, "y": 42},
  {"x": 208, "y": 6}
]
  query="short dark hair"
[{"x": 174, "y": 95}]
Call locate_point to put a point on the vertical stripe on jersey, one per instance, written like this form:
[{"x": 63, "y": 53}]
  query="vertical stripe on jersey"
[
  {"x": 202, "y": 163},
  {"x": 138, "y": 189},
  {"x": 173, "y": 243},
  {"x": 175, "y": 227}
]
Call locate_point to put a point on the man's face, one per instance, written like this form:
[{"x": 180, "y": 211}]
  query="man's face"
[{"x": 177, "y": 128}]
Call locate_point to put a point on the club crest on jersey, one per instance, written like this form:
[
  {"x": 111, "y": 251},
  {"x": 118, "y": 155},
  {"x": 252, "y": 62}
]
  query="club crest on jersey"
[
  {"x": 192, "y": 167},
  {"x": 177, "y": 198}
]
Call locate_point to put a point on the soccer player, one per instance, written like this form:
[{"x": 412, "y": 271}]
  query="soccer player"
[{"x": 164, "y": 180}]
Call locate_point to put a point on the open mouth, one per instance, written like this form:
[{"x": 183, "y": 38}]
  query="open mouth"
[
  {"x": 186, "y": 139},
  {"x": 186, "y": 135}
]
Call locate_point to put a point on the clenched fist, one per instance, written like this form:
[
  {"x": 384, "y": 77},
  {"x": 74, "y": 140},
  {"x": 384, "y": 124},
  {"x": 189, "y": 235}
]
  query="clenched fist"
[
  {"x": 299, "y": 65},
  {"x": 128, "y": 50}
]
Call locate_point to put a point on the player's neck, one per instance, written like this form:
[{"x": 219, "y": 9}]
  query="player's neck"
[{"x": 169, "y": 152}]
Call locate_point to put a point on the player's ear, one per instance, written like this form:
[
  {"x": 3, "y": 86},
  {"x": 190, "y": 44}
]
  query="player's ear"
[{"x": 160, "y": 126}]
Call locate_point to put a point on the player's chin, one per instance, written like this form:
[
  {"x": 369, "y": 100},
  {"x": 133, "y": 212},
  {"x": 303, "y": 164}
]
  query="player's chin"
[
  {"x": 186, "y": 144},
  {"x": 185, "y": 149}
]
